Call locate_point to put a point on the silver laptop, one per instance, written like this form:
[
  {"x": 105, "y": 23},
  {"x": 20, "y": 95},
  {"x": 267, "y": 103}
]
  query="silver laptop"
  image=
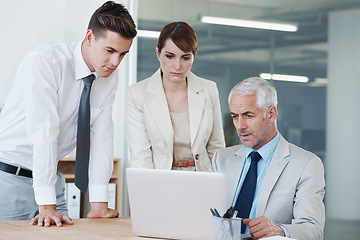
[{"x": 174, "y": 204}]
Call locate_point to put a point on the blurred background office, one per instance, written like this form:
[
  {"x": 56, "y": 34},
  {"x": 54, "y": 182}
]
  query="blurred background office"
[{"x": 319, "y": 54}]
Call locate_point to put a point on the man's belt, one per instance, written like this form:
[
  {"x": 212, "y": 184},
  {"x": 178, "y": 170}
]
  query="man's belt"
[{"x": 15, "y": 170}]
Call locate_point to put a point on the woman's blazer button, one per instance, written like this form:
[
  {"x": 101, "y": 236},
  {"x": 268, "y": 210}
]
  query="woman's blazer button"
[{"x": 197, "y": 156}]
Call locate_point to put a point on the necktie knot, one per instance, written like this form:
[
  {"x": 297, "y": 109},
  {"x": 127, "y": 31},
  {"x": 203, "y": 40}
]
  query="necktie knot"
[
  {"x": 89, "y": 80},
  {"x": 255, "y": 156}
]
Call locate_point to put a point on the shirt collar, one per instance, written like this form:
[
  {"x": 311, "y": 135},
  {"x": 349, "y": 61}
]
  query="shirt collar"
[
  {"x": 81, "y": 69},
  {"x": 267, "y": 150}
]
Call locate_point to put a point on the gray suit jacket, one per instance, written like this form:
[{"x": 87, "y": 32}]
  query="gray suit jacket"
[{"x": 293, "y": 190}]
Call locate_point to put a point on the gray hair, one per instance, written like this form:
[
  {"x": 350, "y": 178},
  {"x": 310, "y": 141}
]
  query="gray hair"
[{"x": 266, "y": 95}]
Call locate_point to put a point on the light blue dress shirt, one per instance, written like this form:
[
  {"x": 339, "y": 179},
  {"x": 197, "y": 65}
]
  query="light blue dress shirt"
[{"x": 266, "y": 152}]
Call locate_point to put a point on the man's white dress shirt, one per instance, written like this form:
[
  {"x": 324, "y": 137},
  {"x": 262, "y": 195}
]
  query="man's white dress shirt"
[{"x": 38, "y": 124}]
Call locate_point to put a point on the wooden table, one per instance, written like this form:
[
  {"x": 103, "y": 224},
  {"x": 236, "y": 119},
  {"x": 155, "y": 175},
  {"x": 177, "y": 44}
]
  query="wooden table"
[{"x": 83, "y": 229}]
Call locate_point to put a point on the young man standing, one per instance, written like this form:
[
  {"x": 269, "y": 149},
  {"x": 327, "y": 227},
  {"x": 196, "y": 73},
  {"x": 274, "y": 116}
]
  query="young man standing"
[{"x": 62, "y": 97}]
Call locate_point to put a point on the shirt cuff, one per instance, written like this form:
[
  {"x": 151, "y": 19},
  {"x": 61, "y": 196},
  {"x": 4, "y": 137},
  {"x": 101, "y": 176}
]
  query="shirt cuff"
[
  {"x": 285, "y": 231},
  {"x": 45, "y": 195},
  {"x": 98, "y": 193}
]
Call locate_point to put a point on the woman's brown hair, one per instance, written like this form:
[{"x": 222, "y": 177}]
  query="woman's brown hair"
[{"x": 183, "y": 36}]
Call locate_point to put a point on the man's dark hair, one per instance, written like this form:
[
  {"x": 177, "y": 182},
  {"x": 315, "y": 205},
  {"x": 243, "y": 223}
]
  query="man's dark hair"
[{"x": 113, "y": 17}]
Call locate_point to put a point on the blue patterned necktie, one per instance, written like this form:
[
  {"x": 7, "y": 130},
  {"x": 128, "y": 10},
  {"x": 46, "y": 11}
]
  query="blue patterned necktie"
[
  {"x": 83, "y": 137},
  {"x": 246, "y": 196}
]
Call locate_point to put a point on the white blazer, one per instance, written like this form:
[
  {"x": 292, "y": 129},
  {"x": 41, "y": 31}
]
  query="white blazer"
[{"x": 149, "y": 130}]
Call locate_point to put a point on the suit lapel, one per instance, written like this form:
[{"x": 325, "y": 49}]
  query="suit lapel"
[
  {"x": 277, "y": 165},
  {"x": 196, "y": 105},
  {"x": 157, "y": 103},
  {"x": 236, "y": 165}
]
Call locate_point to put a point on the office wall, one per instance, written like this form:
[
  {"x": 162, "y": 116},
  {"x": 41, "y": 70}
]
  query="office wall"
[
  {"x": 343, "y": 161},
  {"x": 25, "y": 24}
]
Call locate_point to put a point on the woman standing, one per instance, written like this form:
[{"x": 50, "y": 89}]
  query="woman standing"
[{"x": 174, "y": 118}]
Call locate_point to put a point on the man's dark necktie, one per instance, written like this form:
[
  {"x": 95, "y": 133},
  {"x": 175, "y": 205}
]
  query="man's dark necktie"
[
  {"x": 247, "y": 192},
  {"x": 83, "y": 137}
]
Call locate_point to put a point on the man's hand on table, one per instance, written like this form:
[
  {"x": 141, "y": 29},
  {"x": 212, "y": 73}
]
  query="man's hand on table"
[
  {"x": 49, "y": 216},
  {"x": 101, "y": 210}
]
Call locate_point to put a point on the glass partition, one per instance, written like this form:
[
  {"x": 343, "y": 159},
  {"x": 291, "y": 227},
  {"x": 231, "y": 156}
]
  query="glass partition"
[{"x": 229, "y": 54}]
